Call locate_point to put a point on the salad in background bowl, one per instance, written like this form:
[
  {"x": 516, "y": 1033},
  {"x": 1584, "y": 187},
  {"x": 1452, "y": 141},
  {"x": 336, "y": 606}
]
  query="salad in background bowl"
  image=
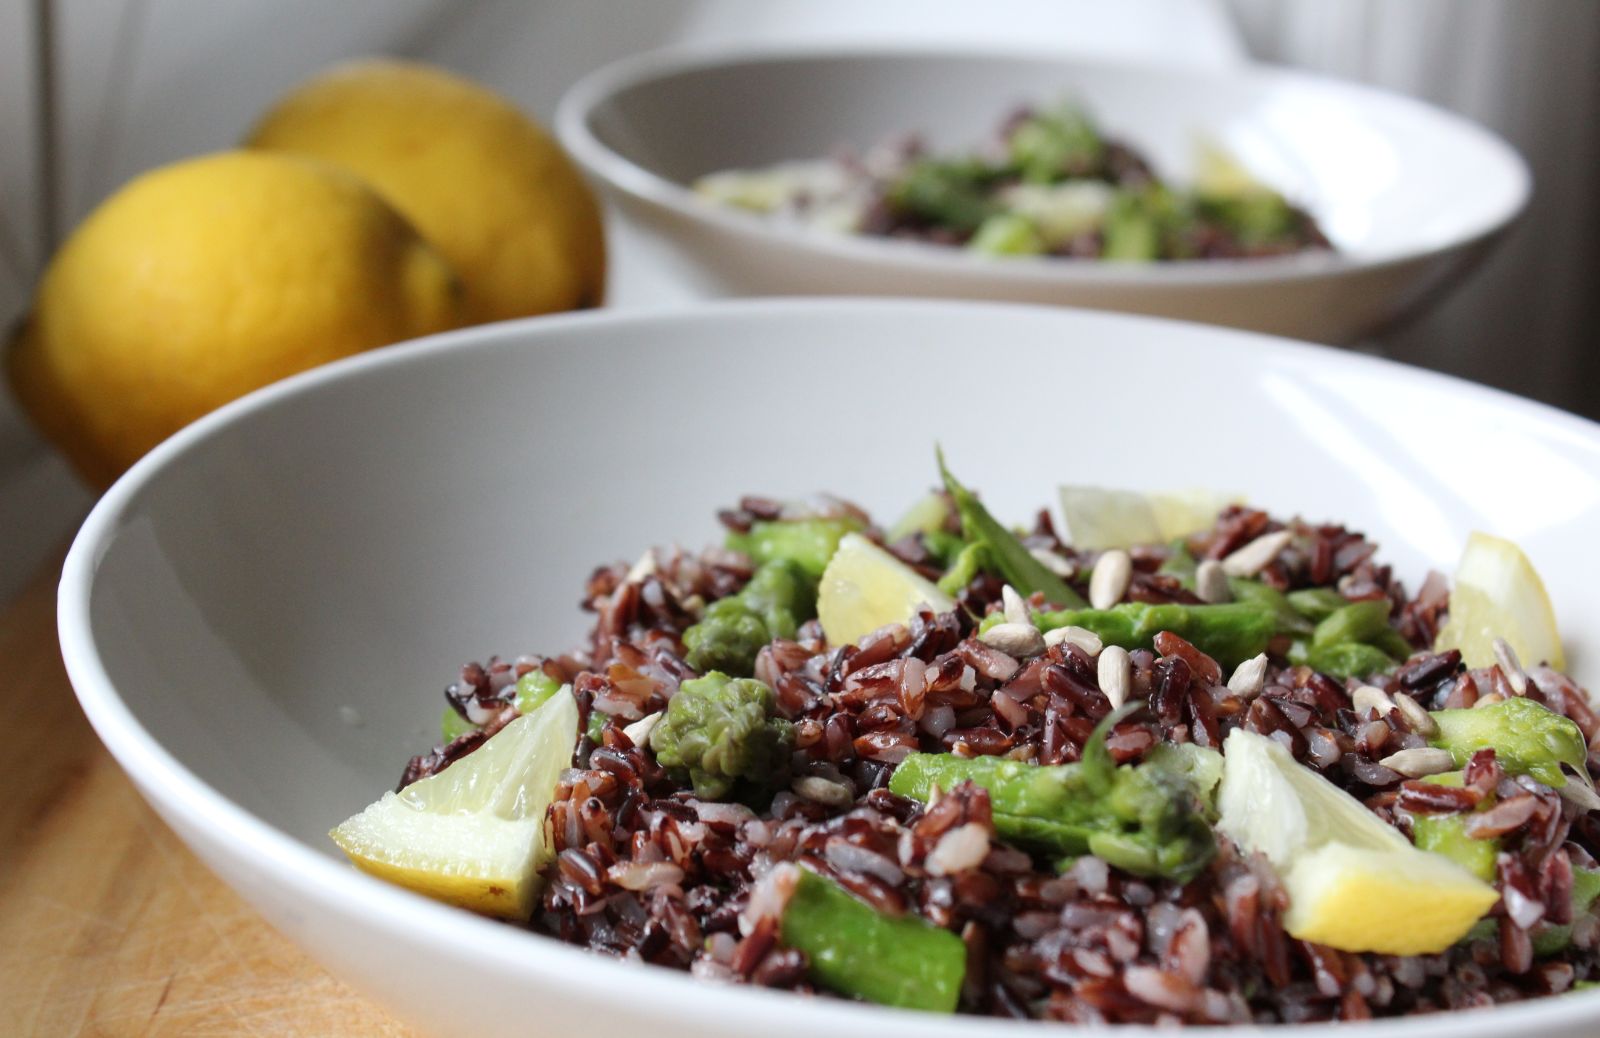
[{"x": 1049, "y": 182}]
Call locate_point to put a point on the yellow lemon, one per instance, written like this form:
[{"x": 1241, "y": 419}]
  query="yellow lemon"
[
  {"x": 205, "y": 279},
  {"x": 865, "y": 588},
  {"x": 1344, "y": 868},
  {"x": 1098, "y": 518},
  {"x": 473, "y": 835},
  {"x": 481, "y": 181},
  {"x": 1498, "y": 594}
]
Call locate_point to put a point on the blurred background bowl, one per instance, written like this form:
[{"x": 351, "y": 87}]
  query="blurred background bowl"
[
  {"x": 1383, "y": 174},
  {"x": 259, "y": 616}
]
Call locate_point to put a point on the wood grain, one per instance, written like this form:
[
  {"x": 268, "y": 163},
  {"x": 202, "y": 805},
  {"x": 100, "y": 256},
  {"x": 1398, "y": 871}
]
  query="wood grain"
[{"x": 108, "y": 925}]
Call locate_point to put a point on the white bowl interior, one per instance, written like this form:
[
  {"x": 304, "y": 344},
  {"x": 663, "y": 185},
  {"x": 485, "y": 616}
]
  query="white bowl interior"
[
  {"x": 278, "y": 595},
  {"x": 1384, "y": 175}
]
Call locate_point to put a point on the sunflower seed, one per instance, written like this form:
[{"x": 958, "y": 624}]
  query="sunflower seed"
[
  {"x": 824, "y": 791},
  {"x": 1420, "y": 761},
  {"x": 1419, "y": 719},
  {"x": 1510, "y": 666},
  {"x": 1254, "y": 557},
  {"x": 1489, "y": 700},
  {"x": 1015, "y": 607},
  {"x": 1211, "y": 583},
  {"x": 645, "y": 567},
  {"x": 1581, "y": 794},
  {"x": 639, "y": 731},
  {"x": 1019, "y": 640},
  {"x": 1082, "y": 637},
  {"x": 1371, "y": 697},
  {"x": 1115, "y": 673},
  {"x": 1109, "y": 581},
  {"x": 1055, "y": 562},
  {"x": 963, "y": 847},
  {"x": 1249, "y": 676}
]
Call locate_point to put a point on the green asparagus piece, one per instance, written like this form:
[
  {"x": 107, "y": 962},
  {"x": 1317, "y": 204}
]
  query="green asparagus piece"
[
  {"x": 1132, "y": 231},
  {"x": 1316, "y": 603},
  {"x": 1392, "y": 642},
  {"x": 533, "y": 688},
  {"x": 722, "y": 730},
  {"x": 727, "y": 638},
  {"x": 1447, "y": 835},
  {"x": 1285, "y": 616},
  {"x": 1002, "y": 549},
  {"x": 1229, "y": 633},
  {"x": 809, "y": 543},
  {"x": 1348, "y": 660},
  {"x": 1056, "y": 145},
  {"x": 1147, "y": 819},
  {"x": 452, "y": 725},
  {"x": 971, "y": 561},
  {"x": 1357, "y": 622},
  {"x": 1182, "y": 565},
  {"x": 1007, "y": 234},
  {"x": 953, "y": 194},
  {"x": 945, "y": 546},
  {"x": 779, "y": 597},
  {"x": 1258, "y": 217},
  {"x": 1202, "y": 767},
  {"x": 783, "y": 595},
  {"x": 1527, "y": 738},
  {"x": 1553, "y": 938},
  {"x": 854, "y": 949}
]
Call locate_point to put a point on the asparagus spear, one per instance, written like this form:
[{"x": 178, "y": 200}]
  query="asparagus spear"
[
  {"x": 1002, "y": 549},
  {"x": 1147, "y": 819},
  {"x": 856, "y": 950},
  {"x": 1230, "y": 633}
]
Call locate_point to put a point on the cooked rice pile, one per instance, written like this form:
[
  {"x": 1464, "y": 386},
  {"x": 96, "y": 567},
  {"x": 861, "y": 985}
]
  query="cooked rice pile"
[{"x": 648, "y": 871}]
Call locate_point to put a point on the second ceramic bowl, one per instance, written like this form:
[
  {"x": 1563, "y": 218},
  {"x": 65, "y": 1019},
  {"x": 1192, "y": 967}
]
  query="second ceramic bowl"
[{"x": 1409, "y": 194}]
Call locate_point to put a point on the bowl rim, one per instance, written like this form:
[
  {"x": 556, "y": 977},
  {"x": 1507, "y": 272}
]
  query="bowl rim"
[
  {"x": 318, "y": 880},
  {"x": 644, "y": 185}
]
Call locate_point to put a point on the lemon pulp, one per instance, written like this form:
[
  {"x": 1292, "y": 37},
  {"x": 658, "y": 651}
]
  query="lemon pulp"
[
  {"x": 1354, "y": 882},
  {"x": 1098, "y": 518},
  {"x": 473, "y": 834},
  {"x": 1498, "y": 594},
  {"x": 865, "y": 588}
]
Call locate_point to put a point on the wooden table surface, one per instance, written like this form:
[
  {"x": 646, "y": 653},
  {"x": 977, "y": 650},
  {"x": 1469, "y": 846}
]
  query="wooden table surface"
[{"x": 108, "y": 925}]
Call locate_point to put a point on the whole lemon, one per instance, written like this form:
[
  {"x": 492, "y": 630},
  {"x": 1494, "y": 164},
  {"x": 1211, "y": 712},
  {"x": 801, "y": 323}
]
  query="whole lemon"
[
  {"x": 202, "y": 280},
  {"x": 480, "y": 180}
]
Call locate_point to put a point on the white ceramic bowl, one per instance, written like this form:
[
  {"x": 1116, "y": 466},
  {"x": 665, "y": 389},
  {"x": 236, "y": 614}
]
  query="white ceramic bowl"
[
  {"x": 259, "y": 617},
  {"x": 1409, "y": 194}
]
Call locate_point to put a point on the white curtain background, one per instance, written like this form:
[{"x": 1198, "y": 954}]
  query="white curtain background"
[
  {"x": 144, "y": 82},
  {"x": 1529, "y": 319}
]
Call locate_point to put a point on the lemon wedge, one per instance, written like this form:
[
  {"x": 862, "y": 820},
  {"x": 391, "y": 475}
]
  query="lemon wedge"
[
  {"x": 1354, "y": 882},
  {"x": 865, "y": 588},
  {"x": 1498, "y": 594},
  {"x": 1097, "y": 518},
  {"x": 1218, "y": 172},
  {"x": 473, "y": 835}
]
